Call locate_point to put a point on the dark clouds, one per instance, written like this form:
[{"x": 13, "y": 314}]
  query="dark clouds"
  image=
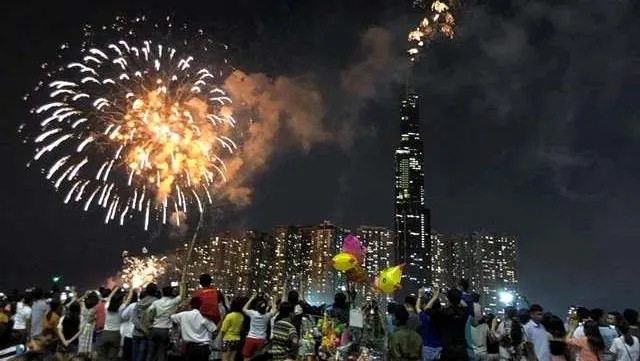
[{"x": 529, "y": 114}]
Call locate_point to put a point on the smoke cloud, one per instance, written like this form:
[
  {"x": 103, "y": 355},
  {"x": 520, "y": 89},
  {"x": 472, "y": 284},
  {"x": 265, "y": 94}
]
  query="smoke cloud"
[
  {"x": 361, "y": 78},
  {"x": 532, "y": 69},
  {"x": 178, "y": 223},
  {"x": 282, "y": 106},
  {"x": 292, "y": 112}
]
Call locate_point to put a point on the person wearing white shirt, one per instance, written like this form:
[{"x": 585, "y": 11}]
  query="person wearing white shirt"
[
  {"x": 260, "y": 318},
  {"x": 126, "y": 328},
  {"x": 536, "y": 334},
  {"x": 197, "y": 331},
  {"x": 625, "y": 347},
  {"x": 22, "y": 320},
  {"x": 161, "y": 310},
  {"x": 108, "y": 346},
  {"x": 39, "y": 309}
]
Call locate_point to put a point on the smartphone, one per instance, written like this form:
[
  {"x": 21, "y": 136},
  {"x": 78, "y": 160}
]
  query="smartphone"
[
  {"x": 67, "y": 288},
  {"x": 125, "y": 286},
  {"x": 63, "y": 296},
  {"x": 174, "y": 284}
]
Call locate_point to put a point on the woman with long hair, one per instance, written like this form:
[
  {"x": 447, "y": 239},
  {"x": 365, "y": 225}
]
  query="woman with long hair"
[
  {"x": 625, "y": 347},
  {"x": 556, "y": 334},
  {"x": 69, "y": 329},
  {"x": 510, "y": 335},
  {"x": 590, "y": 347},
  {"x": 109, "y": 341}
]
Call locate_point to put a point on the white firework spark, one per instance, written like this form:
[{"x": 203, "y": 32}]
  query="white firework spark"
[{"x": 135, "y": 126}]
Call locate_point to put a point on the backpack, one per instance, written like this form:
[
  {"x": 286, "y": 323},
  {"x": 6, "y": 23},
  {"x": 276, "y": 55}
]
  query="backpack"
[
  {"x": 142, "y": 320},
  {"x": 209, "y": 307}
]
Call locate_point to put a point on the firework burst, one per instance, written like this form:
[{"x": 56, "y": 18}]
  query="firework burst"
[
  {"x": 135, "y": 125},
  {"x": 138, "y": 271},
  {"x": 438, "y": 21}
]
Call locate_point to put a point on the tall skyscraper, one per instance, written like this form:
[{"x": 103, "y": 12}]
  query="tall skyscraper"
[{"x": 412, "y": 224}]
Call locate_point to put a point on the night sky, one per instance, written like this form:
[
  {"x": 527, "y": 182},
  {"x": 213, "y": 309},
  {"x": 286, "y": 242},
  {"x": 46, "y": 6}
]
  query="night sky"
[{"x": 530, "y": 119}]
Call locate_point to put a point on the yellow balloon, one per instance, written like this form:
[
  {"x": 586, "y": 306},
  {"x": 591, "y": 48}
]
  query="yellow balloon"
[
  {"x": 344, "y": 261},
  {"x": 390, "y": 279}
]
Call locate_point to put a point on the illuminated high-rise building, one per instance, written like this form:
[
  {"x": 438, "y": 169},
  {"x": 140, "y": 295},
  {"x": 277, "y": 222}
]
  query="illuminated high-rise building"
[
  {"x": 321, "y": 280},
  {"x": 379, "y": 244},
  {"x": 225, "y": 256},
  {"x": 442, "y": 262},
  {"x": 263, "y": 263},
  {"x": 292, "y": 256},
  {"x": 412, "y": 224},
  {"x": 488, "y": 261}
]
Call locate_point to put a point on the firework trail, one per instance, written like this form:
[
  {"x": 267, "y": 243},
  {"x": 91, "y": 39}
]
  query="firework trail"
[
  {"x": 139, "y": 271},
  {"x": 135, "y": 125},
  {"x": 438, "y": 22}
]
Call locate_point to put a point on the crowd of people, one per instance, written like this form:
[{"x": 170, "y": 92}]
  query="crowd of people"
[
  {"x": 426, "y": 330},
  {"x": 155, "y": 324}
]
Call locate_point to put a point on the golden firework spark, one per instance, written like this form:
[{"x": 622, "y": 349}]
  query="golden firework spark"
[
  {"x": 135, "y": 125},
  {"x": 438, "y": 21},
  {"x": 139, "y": 271}
]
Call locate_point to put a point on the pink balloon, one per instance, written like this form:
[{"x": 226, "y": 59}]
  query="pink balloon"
[{"x": 351, "y": 244}]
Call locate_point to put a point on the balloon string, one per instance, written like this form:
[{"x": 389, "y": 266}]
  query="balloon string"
[{"x": 191, "y": 246}]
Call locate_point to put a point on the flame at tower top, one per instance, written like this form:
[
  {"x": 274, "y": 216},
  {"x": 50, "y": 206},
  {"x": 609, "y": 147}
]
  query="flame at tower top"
[{"x": 438, "y": 21}]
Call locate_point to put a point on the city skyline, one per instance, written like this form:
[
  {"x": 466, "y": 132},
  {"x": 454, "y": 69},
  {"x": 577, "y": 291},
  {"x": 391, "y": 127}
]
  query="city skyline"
[
  {"x": 244, "y": 261},
  {"x": 489, "y": 261}
]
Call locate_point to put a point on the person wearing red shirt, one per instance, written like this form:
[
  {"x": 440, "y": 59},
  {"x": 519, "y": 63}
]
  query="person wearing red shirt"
[
  {"x": 209, "y": 296},
  {"x": 100, "y": 309}
]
